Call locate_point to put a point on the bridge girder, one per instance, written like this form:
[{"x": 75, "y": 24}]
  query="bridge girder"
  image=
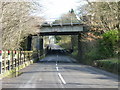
[{"x": 64, "y": 29}]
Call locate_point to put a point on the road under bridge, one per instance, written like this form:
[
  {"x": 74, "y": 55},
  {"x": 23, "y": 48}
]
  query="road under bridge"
[
  {"x": 58, "y": 29},
  {"x": 60, "y": 71}
]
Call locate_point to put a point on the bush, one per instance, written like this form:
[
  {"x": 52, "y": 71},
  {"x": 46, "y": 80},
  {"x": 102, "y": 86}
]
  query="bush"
[
  {"x": 108, "y": 44},
  {"x": 106, "y": 47}
]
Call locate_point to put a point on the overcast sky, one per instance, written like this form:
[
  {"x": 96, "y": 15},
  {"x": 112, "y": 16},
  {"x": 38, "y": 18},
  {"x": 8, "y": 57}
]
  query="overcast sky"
[{"x": 53, "y": 9}]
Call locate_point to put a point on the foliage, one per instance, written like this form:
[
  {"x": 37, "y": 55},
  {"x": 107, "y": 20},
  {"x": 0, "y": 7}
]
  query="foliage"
[
  {"x": 64, "y": 41},
  {"x": 58, "y": 38},
  {"x": 108, "y": 44},
  {"x": 106, "y": 47},
  {"x": 112, "y": 65}
]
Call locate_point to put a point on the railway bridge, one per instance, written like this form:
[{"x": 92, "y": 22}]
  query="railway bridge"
[{"x": 57, "y": 29}]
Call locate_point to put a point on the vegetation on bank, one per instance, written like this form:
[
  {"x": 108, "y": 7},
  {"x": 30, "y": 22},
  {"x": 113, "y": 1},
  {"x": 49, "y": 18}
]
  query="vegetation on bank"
[
  {"x": 106, "y": 47},
  {"x": 111, "y": 65},
  {"x": 100, "y": 53}
]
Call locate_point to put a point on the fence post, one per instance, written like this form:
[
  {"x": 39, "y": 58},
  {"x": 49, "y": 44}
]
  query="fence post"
[
  {"x": 24, "y": 56},
  {"x": 20, "y": 58},
  {"x": 28, "y": 56},
  {"x": 15, "y": 59},
  {"x": 0, "y": 61},
  {"x": 12, "y": 60},
  {"x": 9, "y": 66},
  {"x": 5, "y": 61}
]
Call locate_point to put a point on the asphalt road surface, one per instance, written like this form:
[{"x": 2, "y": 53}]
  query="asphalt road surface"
[
  {"x": 61, "y": 71},
  {"x": 54, "y": 73}
]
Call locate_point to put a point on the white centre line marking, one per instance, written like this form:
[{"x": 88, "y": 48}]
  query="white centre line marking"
[
  {"x": 61, "y": 78},
  {"x": 40, "y": 79},
  {"x": 57, "y": 68}
]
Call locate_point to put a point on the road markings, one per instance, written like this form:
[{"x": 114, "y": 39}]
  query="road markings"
[
  {"x": 40, "y": 79},
  {"x": 57, "y": 68},
  {"x": 60, "y": 76}
]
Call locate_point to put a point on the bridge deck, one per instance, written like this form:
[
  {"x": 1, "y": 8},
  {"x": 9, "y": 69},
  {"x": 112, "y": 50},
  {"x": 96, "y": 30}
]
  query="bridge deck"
[{"x": 61, "y": 29}]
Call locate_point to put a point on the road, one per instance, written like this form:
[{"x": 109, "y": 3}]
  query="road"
[{"x": 60, "y": 71}]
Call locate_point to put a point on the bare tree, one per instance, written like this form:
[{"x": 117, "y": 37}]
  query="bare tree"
[
  {"x": 17, "y": 23},
  {"x": 69, "y": 17},
  {"x": 103, "y": 15}
]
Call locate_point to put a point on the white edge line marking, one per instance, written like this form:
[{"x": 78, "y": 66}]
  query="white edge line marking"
[{"x": 61, "y": 78}]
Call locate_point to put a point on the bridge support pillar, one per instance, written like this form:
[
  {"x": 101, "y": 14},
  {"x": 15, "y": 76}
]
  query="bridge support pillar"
[
  {"x": 29, "y": 40},
  {"x": 72, "y": 42},
  {"x": 41, "y": 45},
  {"x": 79, "y": 47}
]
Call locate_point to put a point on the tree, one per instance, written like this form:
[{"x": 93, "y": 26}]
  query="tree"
[
  {"x": 103, "y": 20},
  {"x": 69, "y": 17},
  {"x": 101, "y": 15},
  {"x": 17, "y": 23}
]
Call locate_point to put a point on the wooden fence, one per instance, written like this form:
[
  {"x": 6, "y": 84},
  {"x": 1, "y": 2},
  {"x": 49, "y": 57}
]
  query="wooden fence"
[{"x": 12, "y": 59}]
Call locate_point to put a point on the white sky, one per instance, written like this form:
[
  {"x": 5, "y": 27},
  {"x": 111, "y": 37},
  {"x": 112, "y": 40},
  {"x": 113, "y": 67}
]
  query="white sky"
[{"x": 53, "y": 9}]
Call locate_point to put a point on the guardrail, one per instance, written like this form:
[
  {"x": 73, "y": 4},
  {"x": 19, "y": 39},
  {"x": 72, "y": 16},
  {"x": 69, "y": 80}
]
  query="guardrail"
[{"x": 11, "y": 59}]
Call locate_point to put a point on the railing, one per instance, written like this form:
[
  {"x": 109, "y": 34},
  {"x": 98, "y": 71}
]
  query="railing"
[{"x": 12, "y": 59}]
